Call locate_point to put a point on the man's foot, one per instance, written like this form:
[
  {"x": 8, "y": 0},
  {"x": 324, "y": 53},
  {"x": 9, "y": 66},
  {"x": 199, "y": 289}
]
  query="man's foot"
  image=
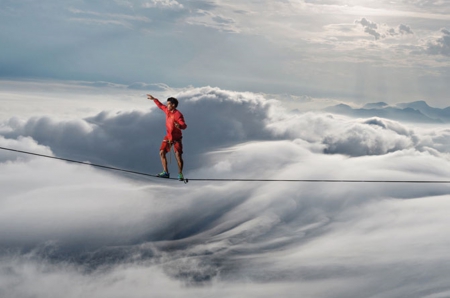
[
  {"x": 163, "y": 174},
  {"x": 181, "y": 177}
]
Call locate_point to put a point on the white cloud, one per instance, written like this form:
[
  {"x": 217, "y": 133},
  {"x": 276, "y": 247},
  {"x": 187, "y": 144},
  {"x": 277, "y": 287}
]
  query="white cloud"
[
  {"x": 21, "y": 143},
  {"x": 124, "y": 138},
  {"x": 93, "y": 17},
  {"x": 100, "y": 137},
  {"x": 170, "y": 4},
  {"x": 68, "y": 227},
  {"x": 212, "y": 20},
  {"x": 441, "y": 46}
]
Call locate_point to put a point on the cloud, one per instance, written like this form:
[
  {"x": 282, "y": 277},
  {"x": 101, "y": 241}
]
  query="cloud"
[
  {"x": 405, "y": 29},
  {"x": 147, "y": 87},
  {"x": 366, "y": 139},
  {"x": 226, "y": 238},
  {"x": 369, "y": 27},
  {"x": 217, "y": 119},
  {"x": 237, "y": 116},
  {"x": 66, "y": 227},
  {"x": 93, "y": 17},
  {"x": 101, "y": 84},
  {"x": 383, "y": 31},
  {"x": 441, "y": 46},
  {"x": 367, "y": 24},
  {"x": 166, "y": 4},
  {"x": 211, "y": 20},
  {"x": 23, "y": 144},
  {"x": 356, "y": 137}
]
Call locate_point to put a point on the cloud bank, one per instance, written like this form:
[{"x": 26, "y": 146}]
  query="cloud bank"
[{"x": 78, "y": 231}]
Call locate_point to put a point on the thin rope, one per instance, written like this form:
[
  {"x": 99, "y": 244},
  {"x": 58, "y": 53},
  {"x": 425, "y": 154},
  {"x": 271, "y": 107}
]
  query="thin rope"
[
  {"x": 234, "y": 179},
  {"x": 80, "y": 162}
]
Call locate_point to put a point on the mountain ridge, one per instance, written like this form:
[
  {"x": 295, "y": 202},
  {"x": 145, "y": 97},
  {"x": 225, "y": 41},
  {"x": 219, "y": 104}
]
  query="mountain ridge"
[{"x": 417, "y": 111}]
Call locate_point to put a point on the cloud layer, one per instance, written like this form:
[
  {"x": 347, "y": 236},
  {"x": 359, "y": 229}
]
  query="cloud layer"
[{"x": 77, "y": 230}]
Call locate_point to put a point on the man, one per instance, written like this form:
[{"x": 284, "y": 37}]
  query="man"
[{"x": 174, "y": 124}]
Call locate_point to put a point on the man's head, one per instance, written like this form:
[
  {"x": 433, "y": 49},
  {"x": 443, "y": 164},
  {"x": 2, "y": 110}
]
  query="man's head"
[{"x": 173, "y": 102}]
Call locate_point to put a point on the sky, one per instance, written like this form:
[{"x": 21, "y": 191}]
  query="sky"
[
  {"x": 328, "y": 89},
  {"x": 358, "y": 51}
]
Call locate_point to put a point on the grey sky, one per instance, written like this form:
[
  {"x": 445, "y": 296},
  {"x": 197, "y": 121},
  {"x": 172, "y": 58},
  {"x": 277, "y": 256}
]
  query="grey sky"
[{"x": 357, "y": 51}]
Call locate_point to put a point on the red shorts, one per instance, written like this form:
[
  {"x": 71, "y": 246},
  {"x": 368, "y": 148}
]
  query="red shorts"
[{"x": 177, "y": 145}]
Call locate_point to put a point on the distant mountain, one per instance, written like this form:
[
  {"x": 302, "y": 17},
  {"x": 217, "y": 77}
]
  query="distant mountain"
[
  {"x": 418, "y": 111},
  {"x": 424, "y": 108}
]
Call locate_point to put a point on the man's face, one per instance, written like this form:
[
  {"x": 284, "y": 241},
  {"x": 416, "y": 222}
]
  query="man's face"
[{"x": 170, "y": 106}]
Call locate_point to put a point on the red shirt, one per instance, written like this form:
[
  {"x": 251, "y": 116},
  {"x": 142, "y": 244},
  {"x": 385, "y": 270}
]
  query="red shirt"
[{"x": 172, "y": 117}]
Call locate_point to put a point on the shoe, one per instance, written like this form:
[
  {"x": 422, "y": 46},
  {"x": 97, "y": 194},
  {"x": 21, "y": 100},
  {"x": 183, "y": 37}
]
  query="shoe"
[
  {"x": 163, "y": 174},
  {"x": 181, "y": 177}
]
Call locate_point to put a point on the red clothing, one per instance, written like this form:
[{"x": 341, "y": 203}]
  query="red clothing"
[
  {"x": 166, "y": 145},
  {"x": 172, "y": 117}
]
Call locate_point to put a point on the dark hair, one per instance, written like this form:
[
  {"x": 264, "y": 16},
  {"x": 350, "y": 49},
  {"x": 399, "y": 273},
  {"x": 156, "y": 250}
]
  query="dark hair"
[{"x": 173, "y": 100}]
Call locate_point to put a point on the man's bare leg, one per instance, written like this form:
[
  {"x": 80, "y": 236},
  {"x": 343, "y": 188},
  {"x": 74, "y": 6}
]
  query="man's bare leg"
[
  {"x": 180, "y": 162},
  {"x": 162, "y": 154}
]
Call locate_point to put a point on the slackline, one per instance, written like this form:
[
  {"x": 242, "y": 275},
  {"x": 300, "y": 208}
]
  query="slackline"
[{"x": 231, "y": 179}]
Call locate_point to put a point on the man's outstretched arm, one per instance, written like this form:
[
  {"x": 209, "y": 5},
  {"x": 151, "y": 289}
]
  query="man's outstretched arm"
[{"x": 157, "y": 102}]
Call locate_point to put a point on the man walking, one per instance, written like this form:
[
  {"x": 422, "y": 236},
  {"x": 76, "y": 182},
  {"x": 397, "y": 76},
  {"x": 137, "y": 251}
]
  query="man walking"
[{"x": 174, "y": 124}]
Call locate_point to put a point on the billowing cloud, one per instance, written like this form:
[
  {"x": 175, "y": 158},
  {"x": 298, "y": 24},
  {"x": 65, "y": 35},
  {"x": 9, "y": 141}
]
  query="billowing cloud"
[
  {"x": 441, "y": 46},
  {"x": 77, "y": 227},
  {"x": 219, "y": 118},
  {"x": 360, "y": 140},
  {"x": 125, "y": 139}
]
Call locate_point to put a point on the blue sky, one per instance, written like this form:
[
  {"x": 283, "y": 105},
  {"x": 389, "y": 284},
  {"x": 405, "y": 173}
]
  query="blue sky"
[{"x": 359, "y": 51}]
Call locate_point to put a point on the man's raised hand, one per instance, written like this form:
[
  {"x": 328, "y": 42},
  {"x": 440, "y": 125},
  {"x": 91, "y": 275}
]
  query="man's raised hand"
[{"x": 149, "y": 96}]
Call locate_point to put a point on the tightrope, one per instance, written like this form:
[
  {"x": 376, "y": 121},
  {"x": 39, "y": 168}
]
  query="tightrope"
[{"x": 233, "y": 179}]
